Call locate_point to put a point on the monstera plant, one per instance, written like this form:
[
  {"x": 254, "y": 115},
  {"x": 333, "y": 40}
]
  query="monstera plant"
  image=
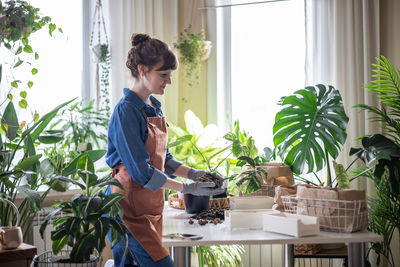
[{"x": 310, "y": 128}]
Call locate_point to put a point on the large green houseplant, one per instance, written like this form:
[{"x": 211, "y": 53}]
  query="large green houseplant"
[
  {"x": 381, "y": 153},
  {"x": 83, "y": 224},
  {"x": 19, "y": 160},
  {"x": 310, "y": 129}
]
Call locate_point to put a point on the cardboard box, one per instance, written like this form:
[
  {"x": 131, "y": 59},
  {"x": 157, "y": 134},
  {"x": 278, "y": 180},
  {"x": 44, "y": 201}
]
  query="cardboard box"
[{"x": 253, "y": 202}]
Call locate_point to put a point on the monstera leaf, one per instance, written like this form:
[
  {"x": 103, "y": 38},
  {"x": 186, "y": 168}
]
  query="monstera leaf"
[{"x": 311, "y": 125}]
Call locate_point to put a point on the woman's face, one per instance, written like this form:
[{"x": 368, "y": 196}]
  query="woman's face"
[{"x": 156, "y": 80}]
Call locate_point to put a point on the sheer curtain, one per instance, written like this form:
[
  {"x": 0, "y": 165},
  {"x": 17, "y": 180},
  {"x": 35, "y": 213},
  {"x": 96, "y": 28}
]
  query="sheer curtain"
[
  {"x": 342, "y": 43},
  {"x": 159, "y": 19}
]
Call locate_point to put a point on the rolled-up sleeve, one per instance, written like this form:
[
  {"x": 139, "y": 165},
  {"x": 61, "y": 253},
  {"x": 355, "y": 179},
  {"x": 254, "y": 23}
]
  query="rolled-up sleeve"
[
  {"x": 171, "y": 164},
  {"x": 125, "y": 135}
]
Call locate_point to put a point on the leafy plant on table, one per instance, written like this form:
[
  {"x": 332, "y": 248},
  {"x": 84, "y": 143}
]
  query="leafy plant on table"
[
  {"x": 310, "y": 128},
  {"x": 245, "y": 151},
  {"x": 82, "y": 224}
]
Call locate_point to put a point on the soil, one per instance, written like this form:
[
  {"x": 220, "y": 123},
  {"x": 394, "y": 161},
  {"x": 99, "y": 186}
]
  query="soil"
[
  {"x": 211, "y": 177},
  {"x": 214, "y": 215}
]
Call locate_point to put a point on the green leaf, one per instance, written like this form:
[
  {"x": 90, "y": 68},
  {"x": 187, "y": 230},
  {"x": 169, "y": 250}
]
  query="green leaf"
[
  {"x": 14, "y": 84},
  {"x": 86, "y": 164},
  {"x": 19, "y": 62},
  {"x": 22, "y": 94},
  {"x": 36, "y": 56},
  {"x": 10, "y": 118},
  {"x": 28, "y": 49},
  {"x": 181, "y": 140},
  {"x": 19, "y": 50},
  {"x": 34, "y": 71},
  {"x": 94, "y": 155},
  {"x": 10, "y": 97},
  {"x": 312, "y": 121},
  {"x": 52, "y": 27},
  {"x": 341, "y": 175},
  {"x": 31, "y": 195},
  {"x": 25, "y": 41},
  {"x": 30, "y": 84},
  {"x": 58, "y": 244},
  {"x": 51, "y": 136},
  {"x": 23, "y": 104},
  {"x": 60, "y": 30},
  {"x": 27, "y": 163}
]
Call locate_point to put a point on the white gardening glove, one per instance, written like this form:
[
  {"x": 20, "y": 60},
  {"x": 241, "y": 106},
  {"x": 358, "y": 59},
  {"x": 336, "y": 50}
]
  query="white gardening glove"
[{"x": 201, "y": 189}]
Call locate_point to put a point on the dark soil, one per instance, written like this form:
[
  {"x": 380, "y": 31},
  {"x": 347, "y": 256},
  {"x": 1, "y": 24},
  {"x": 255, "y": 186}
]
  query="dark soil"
[
  {"x": 211, "y": 177},
  {"x": 214, "y": 216}
]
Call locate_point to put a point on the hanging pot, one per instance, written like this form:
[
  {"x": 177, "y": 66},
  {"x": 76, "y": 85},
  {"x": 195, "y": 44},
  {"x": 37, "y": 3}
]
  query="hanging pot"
[
  {"x": 99, "y": 53},
  {"x": 205, "y": 50}
]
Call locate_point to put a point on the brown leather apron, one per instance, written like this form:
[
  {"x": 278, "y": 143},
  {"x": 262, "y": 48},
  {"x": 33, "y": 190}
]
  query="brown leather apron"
[{"x": 142, "y": 207}]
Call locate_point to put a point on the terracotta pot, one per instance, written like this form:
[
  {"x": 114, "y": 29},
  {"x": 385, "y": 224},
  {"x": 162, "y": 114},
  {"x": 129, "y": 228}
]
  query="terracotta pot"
[{"x": 196, "y": 204}]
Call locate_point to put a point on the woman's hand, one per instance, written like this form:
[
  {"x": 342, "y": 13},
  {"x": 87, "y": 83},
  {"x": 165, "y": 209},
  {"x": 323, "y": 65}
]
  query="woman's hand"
[{"x": 201, "y": 189}]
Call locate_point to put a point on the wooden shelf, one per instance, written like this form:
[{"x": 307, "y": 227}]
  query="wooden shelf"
[{"x": 19, "y": 257}]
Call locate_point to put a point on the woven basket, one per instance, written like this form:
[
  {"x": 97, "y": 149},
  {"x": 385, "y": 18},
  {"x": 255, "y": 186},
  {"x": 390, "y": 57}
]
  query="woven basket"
[
  {"x": 175, "y": 202},
  {"x": 179, "y": 203},
  {"x": 307, "y": 249},
  {"x": 219, "y": 203}
]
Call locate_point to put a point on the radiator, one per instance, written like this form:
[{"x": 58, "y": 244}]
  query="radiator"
[{"x": 44, "y": 244}]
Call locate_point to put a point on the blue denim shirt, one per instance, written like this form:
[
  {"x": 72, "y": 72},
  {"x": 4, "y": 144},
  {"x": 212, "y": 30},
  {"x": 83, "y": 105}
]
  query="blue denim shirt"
[{"x": 127, "y": 135}]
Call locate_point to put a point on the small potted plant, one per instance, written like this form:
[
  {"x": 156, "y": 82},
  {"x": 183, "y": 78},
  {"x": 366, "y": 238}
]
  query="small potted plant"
[
  {"x": 82, "y": 222},
  {"x": 193, "y": 48}
]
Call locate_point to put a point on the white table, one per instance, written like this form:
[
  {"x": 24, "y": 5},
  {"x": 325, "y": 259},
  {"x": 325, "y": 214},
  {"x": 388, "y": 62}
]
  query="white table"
[{"x": 177, "y": 221}]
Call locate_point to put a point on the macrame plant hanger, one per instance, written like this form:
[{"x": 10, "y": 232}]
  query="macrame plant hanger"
[{"x": 100, "y": 51}]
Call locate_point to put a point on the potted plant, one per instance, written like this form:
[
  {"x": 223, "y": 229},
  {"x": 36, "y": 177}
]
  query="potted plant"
[
  {"x": 193, "y": 48},
  {"x": 83, "y": 224},
  {"x": 381, "y": 154}
]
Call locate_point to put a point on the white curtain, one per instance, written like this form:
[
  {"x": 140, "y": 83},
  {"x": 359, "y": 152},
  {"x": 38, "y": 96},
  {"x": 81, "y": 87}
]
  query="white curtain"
[
  {"x": 158, "y": 18},
  {"x": 342, "y": 43}
]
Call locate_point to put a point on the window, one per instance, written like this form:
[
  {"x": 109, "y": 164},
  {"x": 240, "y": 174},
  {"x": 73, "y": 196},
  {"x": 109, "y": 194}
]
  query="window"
[
  {"x": 267, "y": 62},
  {"x": 60, "y": 64}
]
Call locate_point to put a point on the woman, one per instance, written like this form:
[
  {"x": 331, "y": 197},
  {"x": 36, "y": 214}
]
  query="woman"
[{"x": 138, "y": 154}]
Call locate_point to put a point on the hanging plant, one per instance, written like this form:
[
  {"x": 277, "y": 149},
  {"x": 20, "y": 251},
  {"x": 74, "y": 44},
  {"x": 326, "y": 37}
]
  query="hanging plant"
[
  {"x": 18, "y": 20},
  {"x": 193, "y": 48},
  {"x": 101, "y": 56}
]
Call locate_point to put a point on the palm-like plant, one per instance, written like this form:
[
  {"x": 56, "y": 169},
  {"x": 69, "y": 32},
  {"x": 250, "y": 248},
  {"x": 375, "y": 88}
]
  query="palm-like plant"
[
  {"x": 386, "y": 86},
  {"x": 310, "y": 127}
]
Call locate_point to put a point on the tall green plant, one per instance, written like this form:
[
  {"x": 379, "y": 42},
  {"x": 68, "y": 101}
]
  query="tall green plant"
[
  {"x": 310, "y": 128},
  {"x": 381, "y": 152},
  {"x": 18, "y": 160}
]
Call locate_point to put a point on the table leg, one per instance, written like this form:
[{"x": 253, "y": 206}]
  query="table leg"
[
  {"x": 181, "y": 256},
  {"x": 356, "y": 254},
  {"x": 289, "y": 255}
]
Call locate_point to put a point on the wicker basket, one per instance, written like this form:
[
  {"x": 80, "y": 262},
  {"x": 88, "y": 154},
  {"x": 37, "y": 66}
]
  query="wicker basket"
[
  {"x": 307, "y": 249},
  {"x": 219, "y": 203},
  {"x": 179, "y": 203},
  {"x": 175, "y": 202},
  {"x": 334, "y": 215}
]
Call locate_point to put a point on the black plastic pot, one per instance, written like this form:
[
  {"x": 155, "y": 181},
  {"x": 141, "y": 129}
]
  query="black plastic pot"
[{"x": 195, "y": 204}]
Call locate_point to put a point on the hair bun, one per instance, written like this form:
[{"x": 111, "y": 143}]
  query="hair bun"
[{"x": 138, "y": 38}]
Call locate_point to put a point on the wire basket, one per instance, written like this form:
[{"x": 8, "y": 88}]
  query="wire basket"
[
  {"x": 334, "y": 215},
  {"x": 48, "y": 259}
]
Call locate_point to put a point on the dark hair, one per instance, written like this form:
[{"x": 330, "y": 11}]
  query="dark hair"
[{"x": 149, "y": 52}]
